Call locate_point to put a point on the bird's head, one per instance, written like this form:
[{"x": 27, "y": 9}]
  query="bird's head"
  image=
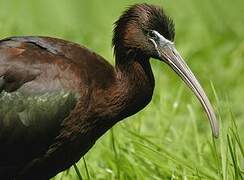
[
  {"x": 139, "y": 29},
  {"x": 145, "y": 30}
]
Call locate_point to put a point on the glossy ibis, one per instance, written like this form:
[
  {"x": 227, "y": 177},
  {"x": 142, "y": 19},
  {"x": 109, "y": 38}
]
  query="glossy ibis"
[{"x": 57, "y": 97}]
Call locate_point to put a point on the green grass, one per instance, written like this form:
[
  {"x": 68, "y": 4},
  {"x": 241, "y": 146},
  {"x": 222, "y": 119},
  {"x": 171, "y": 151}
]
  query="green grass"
[{"x": 170, "y": 138}]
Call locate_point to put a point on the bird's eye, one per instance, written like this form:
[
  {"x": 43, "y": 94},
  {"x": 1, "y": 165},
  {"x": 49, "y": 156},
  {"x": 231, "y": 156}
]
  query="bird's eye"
[{"x": 153, "y": 35}]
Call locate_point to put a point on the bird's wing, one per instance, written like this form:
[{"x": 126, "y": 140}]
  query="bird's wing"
[
  {"x": 42, "y": 84},
  {"x": 38, "y": 90}
]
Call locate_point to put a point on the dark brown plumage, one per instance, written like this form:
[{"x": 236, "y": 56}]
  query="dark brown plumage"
[{"x": 57, "y": 97}]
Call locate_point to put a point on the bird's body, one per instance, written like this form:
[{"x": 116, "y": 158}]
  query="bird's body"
[
  {"x": 57, "y": 98},
  {"x": 45, "y": 83}
]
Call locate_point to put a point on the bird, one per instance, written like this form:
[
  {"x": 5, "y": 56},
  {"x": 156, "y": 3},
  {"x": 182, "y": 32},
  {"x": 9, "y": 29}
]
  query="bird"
[{"x": 57, "y": 98}]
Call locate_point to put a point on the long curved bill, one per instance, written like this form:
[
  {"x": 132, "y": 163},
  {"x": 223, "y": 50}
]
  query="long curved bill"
[{"x": 170, "y": 55}]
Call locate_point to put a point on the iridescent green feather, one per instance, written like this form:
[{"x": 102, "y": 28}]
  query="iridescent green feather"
[{"x": 38, "y": 113}]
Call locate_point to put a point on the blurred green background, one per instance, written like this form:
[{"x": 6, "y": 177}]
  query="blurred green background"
[{"x": 170, "y": 138}]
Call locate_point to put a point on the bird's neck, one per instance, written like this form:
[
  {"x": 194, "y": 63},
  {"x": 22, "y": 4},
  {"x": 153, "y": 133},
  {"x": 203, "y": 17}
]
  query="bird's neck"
[
  {"x": 131, "y": 91},
  {"x": 135, "y": 84}
]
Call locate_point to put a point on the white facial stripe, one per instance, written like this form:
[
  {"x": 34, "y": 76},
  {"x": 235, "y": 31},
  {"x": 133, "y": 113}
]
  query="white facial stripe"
[
  {"x": 155, "y": 45},
  {"x": 163, "y": 41}
]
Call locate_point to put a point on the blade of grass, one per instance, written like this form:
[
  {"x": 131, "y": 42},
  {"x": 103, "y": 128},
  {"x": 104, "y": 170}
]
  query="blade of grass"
[
  {"x": 115, "y": 153},
  {"x": 235, "y": 133},
  {"x": 233, "y": 157},
  {"x": 77, "y": 172},
  {"x": 86, "y": 168}
]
